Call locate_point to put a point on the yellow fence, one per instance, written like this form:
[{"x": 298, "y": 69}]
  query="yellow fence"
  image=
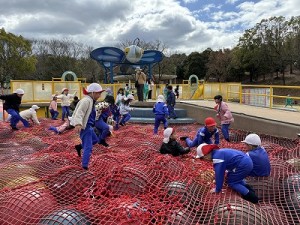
[{"x": 260, "y": 95}]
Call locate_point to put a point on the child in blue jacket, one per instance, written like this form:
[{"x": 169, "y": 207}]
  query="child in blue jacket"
[
  {"x": 160, "y": 110},
  {"x": 204, "y": 134},
  {"x": 237, "y": 163},
  {"x": 259, "y": 156}
]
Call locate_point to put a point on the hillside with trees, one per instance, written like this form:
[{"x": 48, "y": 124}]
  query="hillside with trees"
[{"x": 268, "y": 53}]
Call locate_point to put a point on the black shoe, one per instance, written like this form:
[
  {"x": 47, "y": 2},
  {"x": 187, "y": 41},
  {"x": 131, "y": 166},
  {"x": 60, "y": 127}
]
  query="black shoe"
[
  {"x": 183, "y": 138},
  {"x": 251, "y": 197},
  {"x": 227, "y": 139},
  {"x": 14, "y": 128},
  {"x": 85, "y": 168},
  {"x": 78, "y": 149},
  {"x": 103, "y": 142},
  {"x": 250, "y": 188},
  {"x": 186, "y": 150},
  {"x": 122, "y": 124}
]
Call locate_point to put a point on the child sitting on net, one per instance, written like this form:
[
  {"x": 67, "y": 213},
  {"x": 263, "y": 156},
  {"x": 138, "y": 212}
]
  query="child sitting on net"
[
  {"x": 170, "y": 145},
  {"x": 65, "y": 126}
]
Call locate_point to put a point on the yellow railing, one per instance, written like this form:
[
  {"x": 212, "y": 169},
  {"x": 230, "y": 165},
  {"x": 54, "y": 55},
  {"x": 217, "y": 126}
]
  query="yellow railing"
[{"x": 261, "y": 95}]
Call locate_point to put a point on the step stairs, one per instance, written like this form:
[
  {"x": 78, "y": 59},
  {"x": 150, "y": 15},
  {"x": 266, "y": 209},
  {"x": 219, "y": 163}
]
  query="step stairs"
[{"x": 146, "y": 115}]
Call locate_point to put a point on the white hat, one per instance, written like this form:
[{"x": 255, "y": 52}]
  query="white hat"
[
  {"x": 94, "y": 87},
  {"x": 35, "y": 107},
  {"x": 160, "y": 98},
  {"x": 204, "y": 149},
  {"x": 138, "y": 68},
  {"x": 64, "y": 89},
  {"x": 130, "y": 96},
  {"x": 167, "y": 133},
  {"x": 252, "y": 139},
  {"x": 19, "y": 91}
]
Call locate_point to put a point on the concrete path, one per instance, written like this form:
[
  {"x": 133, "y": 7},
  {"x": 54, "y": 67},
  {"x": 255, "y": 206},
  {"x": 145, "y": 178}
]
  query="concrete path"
[{"x": 282, "y": 115}]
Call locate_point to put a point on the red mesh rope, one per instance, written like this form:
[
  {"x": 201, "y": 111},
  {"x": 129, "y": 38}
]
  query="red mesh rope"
[{"x": 42, "y": 182}]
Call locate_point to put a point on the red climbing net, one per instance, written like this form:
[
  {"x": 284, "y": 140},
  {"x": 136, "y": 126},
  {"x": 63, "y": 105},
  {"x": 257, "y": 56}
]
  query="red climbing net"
[{"x": 42, "y": 182}]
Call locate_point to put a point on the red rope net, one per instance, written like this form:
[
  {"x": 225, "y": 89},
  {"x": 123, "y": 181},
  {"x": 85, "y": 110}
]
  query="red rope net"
[{"x": 42, "y": 182}]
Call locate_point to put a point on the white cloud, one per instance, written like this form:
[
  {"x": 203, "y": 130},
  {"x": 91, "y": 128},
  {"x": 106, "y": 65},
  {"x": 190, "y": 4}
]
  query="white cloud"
[
  {"x": 108, "y": 22},
  {"x": 231, "y": 1},
  {"x": 189, "y": 1}
]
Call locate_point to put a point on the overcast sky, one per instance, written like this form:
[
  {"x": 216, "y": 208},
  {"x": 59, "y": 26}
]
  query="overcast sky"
[{"x": 184, "y": 26}]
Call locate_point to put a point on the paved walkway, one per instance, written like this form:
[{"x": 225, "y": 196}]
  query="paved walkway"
[{"x": 280, "y": 114}]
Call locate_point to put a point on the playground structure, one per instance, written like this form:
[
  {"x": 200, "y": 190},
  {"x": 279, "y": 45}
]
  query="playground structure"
[{"x": 133, "y": 56}]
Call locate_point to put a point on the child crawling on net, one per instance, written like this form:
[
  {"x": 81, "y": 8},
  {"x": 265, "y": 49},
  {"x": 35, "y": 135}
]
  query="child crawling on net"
[
  {"x": 170, "y": 145},
  {"x": 65, "y": 126}
]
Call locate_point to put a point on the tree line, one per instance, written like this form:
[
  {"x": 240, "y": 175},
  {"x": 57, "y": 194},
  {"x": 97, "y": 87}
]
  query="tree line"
[{"x": 270, "y": 47}]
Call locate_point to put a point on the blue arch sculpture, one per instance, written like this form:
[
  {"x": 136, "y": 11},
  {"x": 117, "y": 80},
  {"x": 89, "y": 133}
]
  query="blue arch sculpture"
[{"x": 109, "y": 57}]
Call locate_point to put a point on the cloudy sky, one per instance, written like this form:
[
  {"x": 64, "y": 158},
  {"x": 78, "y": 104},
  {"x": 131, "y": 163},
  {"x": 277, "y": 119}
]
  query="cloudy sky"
[{"x": 184, "y": 26}]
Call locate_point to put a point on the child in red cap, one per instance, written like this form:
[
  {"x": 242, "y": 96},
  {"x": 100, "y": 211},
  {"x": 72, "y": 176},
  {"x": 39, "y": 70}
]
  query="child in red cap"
[{"x": 204, "y": 134}]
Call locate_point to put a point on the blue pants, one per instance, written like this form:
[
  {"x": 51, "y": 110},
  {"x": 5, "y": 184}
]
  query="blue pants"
[
  {"x": 103, "y": 129},
  {"x": 171, "y": 111},
  {"x": 53, "y": 113},
  {"x": 158, "y": 119},
  {"x": 116, "y": 117},
  {"x": 88, "y": 139},
  {"x": 65, "y": 112},
  {"x": 195, "y": 142},
  {"x": 15, "y": 118},
  {"x": 225, "y": 130},
  {"x": 125, "y": 118},
  {"x": 235, "y": 179}
]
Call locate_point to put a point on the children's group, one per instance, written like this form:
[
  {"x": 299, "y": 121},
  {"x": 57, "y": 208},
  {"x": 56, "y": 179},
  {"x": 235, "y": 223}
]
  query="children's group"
[{"x": 95, "y": 120}]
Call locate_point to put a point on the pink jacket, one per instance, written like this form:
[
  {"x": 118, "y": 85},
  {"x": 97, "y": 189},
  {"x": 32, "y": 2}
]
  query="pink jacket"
[
  {"x": 53, "y": 105},
  {"x": 223, "y": 113},
  {"x": 63, "y": 127}
]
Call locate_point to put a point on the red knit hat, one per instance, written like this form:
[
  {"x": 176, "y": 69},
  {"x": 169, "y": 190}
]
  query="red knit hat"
[
  {"x": 204, "y": 149},
  {"x": 209, "y": 122}
]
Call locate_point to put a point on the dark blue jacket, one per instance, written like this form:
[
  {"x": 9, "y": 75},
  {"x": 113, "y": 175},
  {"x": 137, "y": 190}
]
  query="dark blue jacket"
[
  {"x": 171, "y": 98},
  {"x": 115, "y": 110},
  {"x": 204, "y": 136},
  {"x": 261, "y": 162},
  {"x": 160, "y": 108},
  {"x": 229, "y": 159},
  {"x": 12, "y": 101}
]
